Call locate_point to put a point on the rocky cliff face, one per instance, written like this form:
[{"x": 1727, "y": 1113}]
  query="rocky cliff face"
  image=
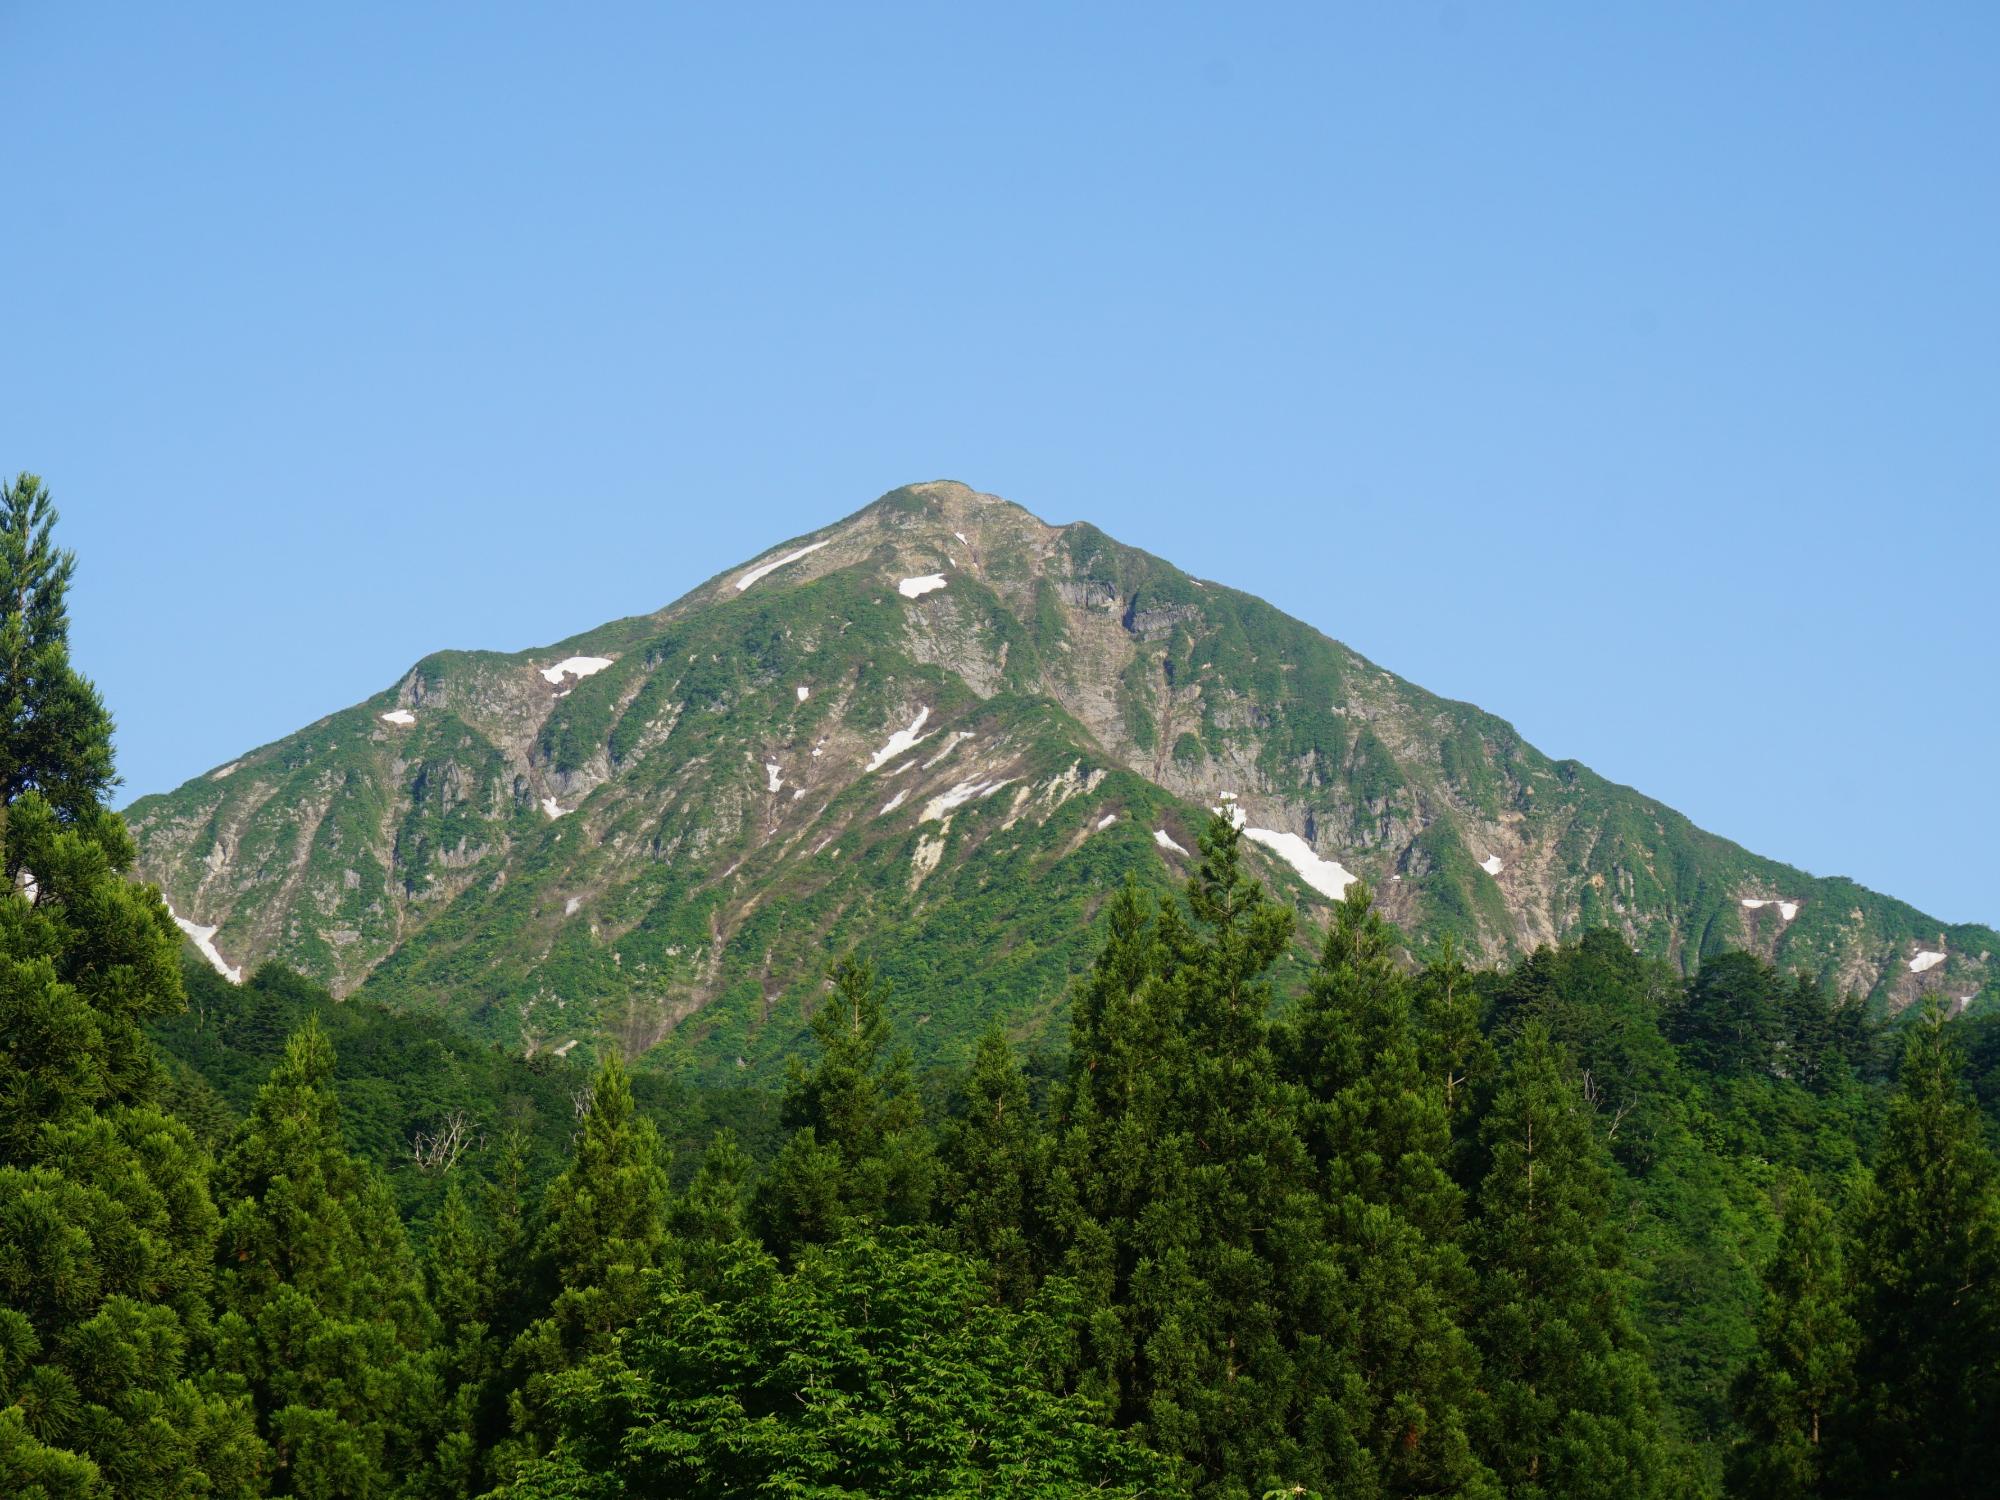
[{"x": 937, "y": 730}]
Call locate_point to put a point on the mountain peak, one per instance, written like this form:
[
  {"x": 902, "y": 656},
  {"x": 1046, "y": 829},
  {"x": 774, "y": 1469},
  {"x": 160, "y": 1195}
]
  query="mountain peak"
[{"x": 933, "y": 730}]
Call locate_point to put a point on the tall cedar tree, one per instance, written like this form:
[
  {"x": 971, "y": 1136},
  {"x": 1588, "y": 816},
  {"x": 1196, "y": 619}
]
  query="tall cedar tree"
[
  {"x": 55, "y": 736},
  {"x": 604, "y": 1229},
  {"x": 859, "y": 1151},
  {"x": 1209, "y": 1313},
  {"x": 323, "y": 1317},
  {"x": 107, "y": 1231},
  {"x": 1447, "y": 1009},
  {"x": 1374, "y": 1119},
  {"x": 1571, "y": 1403},
  {"x": 1927, "y": 1378},
  {"x": 476, "y": 1264},
  {"x": 708, "y": 1217},
  {"x": 1791, "y": 1399},
  {"x": 993, "y": 1173}
]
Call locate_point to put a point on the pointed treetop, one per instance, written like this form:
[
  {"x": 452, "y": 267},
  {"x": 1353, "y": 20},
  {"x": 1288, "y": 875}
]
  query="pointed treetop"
[{"x": 55, "y": 735}]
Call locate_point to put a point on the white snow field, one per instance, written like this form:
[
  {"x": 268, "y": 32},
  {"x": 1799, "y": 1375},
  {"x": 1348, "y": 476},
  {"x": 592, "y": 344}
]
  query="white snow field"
[
  {"x": 574, "y": 666},
  {"x": 776, "y": 563}
]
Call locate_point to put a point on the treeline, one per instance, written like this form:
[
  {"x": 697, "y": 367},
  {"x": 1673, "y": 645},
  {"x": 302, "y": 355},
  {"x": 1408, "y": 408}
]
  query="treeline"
[{"x": 1571, "y": 1229}]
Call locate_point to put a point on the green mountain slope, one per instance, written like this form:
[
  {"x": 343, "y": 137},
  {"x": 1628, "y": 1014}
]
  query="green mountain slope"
[{"x": 937, "y": 730}]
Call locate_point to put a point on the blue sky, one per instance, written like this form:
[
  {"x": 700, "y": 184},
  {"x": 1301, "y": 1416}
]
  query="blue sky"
[{"x": 1629, "y": 371}]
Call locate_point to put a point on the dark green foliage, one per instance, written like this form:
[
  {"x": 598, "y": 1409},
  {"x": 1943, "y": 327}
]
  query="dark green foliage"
[
  {"x": 476, "y": 1268},
  {"x": 604, "y": 1228},
  {"x": 323, "y": 1317},
  {"x": 875, "y": 1367},
  {"x": 858, "y": 1153},
  {"x": 1926, "y": 1374},
  {"x": 1603, "y": 1003},
  {"x": 1730, "y": 1021},
  {"x": 994, "y": 1169},
  {"x": 1208, "y": 1311},
  {"x": 1448, "y": 1009},
  {"x": 402, "y": 1076},
  {"x": 1794, "y": 1395},
  {"x": 1573, "y": 1409},
  {"x": 107, "y": 1228},
  {"x": 55, "y": 735},
  {"x": 1376, "y": 1124},
  {"x": 86, "y": 959}
]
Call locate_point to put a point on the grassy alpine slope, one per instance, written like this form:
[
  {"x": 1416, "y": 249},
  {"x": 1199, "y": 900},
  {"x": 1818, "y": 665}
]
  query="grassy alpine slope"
[{"x": 936, "y": 732}]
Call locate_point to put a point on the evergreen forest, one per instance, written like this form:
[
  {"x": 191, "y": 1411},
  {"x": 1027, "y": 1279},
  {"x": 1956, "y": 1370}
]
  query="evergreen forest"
[{"x": 1578, "y": 1228}]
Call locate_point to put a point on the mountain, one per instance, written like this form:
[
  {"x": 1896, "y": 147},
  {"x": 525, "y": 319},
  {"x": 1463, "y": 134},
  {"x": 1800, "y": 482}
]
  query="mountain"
[{"x": 937, "y": 731}]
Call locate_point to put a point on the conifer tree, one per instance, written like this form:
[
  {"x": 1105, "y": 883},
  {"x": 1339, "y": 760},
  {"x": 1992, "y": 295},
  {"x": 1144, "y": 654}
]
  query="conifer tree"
[
  {"x": 463, "y": 1291},
  {"x": 55, "y": 736},
  {"x": 107, "y": 1229},
  {"x": 477, "y": 1275},
  {"x": 1730, "y": 1019},
  {"x": 1571, "y": 1403},
  {"x": 1192, "y": 1241},
  {"x": 1927, "y": 1379},
  {"x": 708, "y": 1217},
  {"x": 1794, "y": 1391},
  {"x": 1446, "y": 1011},
  {"x": 324, "y": 1317},
  {"x": 604, "y": 1228},
  {"x": 1374, "y": 1120},
  {"x": 859, "y": 1151},
  {"x": 994, "y": 1172}
]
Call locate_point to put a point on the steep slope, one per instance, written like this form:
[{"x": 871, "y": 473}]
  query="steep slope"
[{"x": 939, "y": 730}]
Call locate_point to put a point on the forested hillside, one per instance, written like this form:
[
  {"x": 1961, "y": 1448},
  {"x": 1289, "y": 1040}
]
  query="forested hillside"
[{"x": 1575, "y": 1225}]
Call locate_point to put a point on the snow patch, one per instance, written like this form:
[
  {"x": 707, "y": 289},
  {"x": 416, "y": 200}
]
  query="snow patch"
[
  {"x": 1925, "y": 959},
  {"x": 1107, "y": 820},
  {"x": 913, "y": 588},
  {"x": 204, "y": 939},
  {"x": 1324, "y": 875},
  {"x": 959, "y": 795},
  {"x": 961, "y": 536},
  {"x": 774, "y": 775},
  {"x": 1786, "y": 909},
  {"x": 803, "y": 691},
  {"x": 398, "y": 716},
  {"x": 1166, "y": 841},
  {"x": 901, "y": 740},
  {"x": 1229, "y": 810},
  {"x": 570, "y": 906},
  {"x": 771, "y": 567},
  {"x": 549, "y": 807},
  {"x": 574, "y": 666},
  {"x": 894, "y": 802},
  {"x": 1491, "y": 864}
]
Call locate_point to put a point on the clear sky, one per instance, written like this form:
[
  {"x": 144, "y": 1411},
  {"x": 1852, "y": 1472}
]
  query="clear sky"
[{"x": 1632, "y": 371}]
